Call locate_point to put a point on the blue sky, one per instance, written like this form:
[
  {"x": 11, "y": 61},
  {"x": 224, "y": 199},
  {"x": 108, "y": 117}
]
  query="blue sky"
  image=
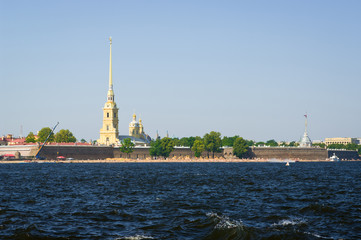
[{"x": 251, "y": 68}]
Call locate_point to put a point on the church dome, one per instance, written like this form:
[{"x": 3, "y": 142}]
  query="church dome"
[{"x": 134, "y": 123}]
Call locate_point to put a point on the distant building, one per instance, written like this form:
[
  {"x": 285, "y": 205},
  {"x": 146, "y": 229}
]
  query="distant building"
[
  {"x": 305, "y": 140},
  {"x": 11, "y": 140},
  {"x": 341, "y": 140}
]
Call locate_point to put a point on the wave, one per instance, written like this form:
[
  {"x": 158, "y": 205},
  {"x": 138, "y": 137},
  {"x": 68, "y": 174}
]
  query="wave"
[
  {"x": 226, "y": 228},
  {"x": 136, "y": 237},
  {"x": 224, "y": 222},
  {"x": 290, "y": 222}
]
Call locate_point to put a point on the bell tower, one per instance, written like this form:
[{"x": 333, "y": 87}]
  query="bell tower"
[{"x": 109, "y": 132}]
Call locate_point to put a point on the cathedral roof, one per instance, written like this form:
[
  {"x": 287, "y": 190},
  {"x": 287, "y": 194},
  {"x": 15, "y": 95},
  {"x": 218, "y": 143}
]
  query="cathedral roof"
[{"x": 136, "y": 140}]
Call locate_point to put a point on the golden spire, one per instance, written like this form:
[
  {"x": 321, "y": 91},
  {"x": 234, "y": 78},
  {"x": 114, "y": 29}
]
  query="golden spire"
[
  {"x": 110, "y": 66},
  {"x": 110, "y": 91}
]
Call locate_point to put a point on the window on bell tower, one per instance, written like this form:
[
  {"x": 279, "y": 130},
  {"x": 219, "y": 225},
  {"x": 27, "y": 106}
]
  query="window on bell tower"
[
  {"x": 115, "y": 115},
  {"x": 107, "y": 115},
  {"x": 107, "y": 127}
]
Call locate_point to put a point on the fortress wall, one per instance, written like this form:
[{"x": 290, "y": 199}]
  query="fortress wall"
[
  {"x": 143, "y": 153},
  {"x": 344, "y": 154},
  {"x": 289, "y": 153},
  {"x": 77, "y": 152},
  {"x": 282, "y": 153},
  {"x": 295, "y": 153},
  {"x": 100, "y": 152}
]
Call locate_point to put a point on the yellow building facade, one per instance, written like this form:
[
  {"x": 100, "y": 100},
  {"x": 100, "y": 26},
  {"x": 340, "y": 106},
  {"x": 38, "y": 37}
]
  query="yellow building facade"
[
  {"x": 340, "y": 140},
  {"x": 109, "y": 132}
]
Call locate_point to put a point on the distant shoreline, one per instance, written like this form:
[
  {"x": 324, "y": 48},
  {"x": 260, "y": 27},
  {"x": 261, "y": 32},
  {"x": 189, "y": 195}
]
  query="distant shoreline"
[{"x": 205, "y": 160}]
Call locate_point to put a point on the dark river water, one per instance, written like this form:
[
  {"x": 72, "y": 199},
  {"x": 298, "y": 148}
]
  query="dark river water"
[{"x": 180, "y": 201}]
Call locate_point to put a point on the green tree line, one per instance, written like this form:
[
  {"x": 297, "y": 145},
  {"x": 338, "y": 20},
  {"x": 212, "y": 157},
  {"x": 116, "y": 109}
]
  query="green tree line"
[
  {"x": 211, "y": 143},
  {"x": 64, "y": 135}
]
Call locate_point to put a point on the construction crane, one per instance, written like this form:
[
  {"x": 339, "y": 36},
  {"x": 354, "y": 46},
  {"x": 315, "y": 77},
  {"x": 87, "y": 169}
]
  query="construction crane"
[{"x": 37, "y": 156}]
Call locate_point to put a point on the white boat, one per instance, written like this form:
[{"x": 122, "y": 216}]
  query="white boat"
[
  {"x": 334, "y": 158},
  {"x": 288, "y": 163}
]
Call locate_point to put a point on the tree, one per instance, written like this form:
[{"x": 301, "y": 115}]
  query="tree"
[
  {"x": 83, "y": 140},
  {"x": 228, "y": 141},
  {"x": 187, "y": 141},
  {"x": 321, "y": 145},
  {"x": 176, "y": 141},
  {"x": 64, "y": 136},
  {"x": 30, "y": 138},
  {"x": 272, "y": 143},
  {"x": 240, "y": 147},
  {"x": 212, "y": 142},
  {"x": 127, "y": 146},
  {"x": 336, "y": 146},
  {"x": 293, "y": 144},
  {"x": 161, "y": 147},
  {"x": 44, "y": 133},
  {"x": 191, "y": 141},
  {"x": 155, "y": 148},
  {"x": 167, "y": 146},
  {"x": 198, "y": 147},
  {"x": 250, "y": 142}
]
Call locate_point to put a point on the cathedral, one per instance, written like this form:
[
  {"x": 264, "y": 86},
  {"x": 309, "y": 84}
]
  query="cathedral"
[
  {"x": 109, "y": 133},
  {"x": 136, "y": 133}
]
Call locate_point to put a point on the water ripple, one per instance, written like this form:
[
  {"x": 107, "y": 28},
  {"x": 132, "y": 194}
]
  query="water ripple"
[{"x": 180, "y": 201}]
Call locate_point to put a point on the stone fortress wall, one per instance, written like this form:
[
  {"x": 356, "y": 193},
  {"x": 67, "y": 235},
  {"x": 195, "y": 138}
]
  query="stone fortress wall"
[
  {"x": 103, "y": 152},
  {"x": 97, "y": 152},
  {"x": 178, "y": 152},
  {"x": 78, "y": 152},
  {"x": 289, "y": 153}
]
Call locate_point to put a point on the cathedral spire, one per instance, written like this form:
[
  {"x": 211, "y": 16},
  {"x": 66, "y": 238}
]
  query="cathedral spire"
[
  {"x": 110, "y": 66},
  {"x": 109, "y": 134},
  {"x": 110, "y": 91}
]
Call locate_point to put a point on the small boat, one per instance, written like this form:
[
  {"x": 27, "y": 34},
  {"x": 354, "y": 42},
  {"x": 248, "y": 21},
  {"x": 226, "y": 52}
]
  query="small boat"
[
  {"x": 334, "y": 158},
  {"x": 287, "y": 164}
]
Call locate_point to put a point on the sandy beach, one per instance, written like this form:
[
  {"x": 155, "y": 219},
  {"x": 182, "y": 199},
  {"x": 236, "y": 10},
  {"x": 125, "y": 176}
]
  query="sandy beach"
[{"x": 170, "y": 160}]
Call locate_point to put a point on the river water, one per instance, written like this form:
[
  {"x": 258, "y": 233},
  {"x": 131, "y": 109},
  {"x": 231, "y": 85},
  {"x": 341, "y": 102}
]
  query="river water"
[{"x": 180, "y": 201}]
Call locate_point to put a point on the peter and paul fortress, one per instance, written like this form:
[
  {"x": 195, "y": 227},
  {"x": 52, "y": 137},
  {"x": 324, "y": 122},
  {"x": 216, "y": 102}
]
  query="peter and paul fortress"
[
  {"x": 109, "y": 133},
  {"x": 110, "y": 140}
]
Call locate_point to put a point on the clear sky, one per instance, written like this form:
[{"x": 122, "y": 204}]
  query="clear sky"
[{"x": 251, "y": 68}]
